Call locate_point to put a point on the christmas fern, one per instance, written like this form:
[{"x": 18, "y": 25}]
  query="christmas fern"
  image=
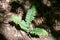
[{"x": 31, "y": 13}]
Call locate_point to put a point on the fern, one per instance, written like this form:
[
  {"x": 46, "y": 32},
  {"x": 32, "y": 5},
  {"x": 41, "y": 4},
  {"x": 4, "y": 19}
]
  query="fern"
[
  {"x": 31, "y": 13},
  {"x": 38, "y": 31},
  {"x": 22, "y": 23},
  {"x": 16, "y": 19}
]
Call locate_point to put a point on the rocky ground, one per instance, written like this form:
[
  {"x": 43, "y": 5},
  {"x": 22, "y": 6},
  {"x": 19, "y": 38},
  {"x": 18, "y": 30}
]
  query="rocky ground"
[{"x": 48, "y": 15}]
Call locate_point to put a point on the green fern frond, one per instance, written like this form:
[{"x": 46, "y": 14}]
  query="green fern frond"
[
  {"x": 38, "y": 31},
  {"x": 22, "y": 23},
  {"x": 31, "y": 13},
  {"x": 16, "y": 19}
]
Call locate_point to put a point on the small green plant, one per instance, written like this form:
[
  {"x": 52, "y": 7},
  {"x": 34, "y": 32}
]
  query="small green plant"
[{"x": 31, "y": 13}]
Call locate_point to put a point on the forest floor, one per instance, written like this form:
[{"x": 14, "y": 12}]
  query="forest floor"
[{"x": 11, "y": 31}]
